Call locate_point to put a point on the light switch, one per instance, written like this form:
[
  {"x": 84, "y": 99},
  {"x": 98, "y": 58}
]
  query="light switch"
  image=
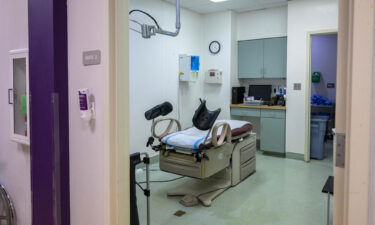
[{"x": 297, "y": 86}]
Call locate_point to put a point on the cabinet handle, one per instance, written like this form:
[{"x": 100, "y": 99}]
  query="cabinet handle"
[{"x": 10, "y": 97}]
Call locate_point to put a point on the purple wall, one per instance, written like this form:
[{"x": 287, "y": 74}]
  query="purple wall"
[{"x": 324, "y": 60}]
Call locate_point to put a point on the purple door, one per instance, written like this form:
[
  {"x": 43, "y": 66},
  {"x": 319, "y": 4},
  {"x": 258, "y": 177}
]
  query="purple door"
[{"x": 49, "y": 112}]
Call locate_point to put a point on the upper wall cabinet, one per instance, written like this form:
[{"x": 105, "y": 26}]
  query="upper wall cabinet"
[
  {"x": 262, "y": 58},
  {"x": 275, "y": 56},
  {"x": 18, "y": 96},
  {"x": 250, "y": 59}
]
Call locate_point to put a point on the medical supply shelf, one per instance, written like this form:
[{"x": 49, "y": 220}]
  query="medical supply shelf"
[{"x": 272, "y": 125}]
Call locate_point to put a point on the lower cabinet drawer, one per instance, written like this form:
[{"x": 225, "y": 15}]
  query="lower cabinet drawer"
[
  {"x": 248, "y": 152},
  {"x": 245, "y": 112},
  {"x": 248, "y": 168},
  {"x": 269, "y": 113}
]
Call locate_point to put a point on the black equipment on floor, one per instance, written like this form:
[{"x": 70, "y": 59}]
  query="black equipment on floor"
[{"x": 136, "y": 159}]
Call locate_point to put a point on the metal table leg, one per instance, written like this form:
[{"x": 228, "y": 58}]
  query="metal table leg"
[{"x": 328, "y": 208}]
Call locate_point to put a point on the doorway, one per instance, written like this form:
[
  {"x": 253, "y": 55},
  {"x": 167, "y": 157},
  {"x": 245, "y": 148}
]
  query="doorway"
[
  {"x": 308, "y": 110},
  {"x": 321, "y": 91}
]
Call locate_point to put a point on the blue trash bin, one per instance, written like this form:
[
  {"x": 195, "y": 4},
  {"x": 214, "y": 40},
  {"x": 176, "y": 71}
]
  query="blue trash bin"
[{"x": 318, "y": 131}]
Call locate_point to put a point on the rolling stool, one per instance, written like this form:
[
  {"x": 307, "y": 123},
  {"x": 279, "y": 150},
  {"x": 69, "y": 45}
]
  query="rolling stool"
[{"x": 328, "y": 188}]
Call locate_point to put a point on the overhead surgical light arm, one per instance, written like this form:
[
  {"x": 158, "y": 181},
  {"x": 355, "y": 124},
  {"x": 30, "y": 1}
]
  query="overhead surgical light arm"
[{"x": 150, "y": 30}]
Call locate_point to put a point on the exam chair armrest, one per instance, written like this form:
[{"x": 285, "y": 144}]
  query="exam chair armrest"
[
  {"x": 224, "y": 137},
  {"x": 167, "y": 130}
]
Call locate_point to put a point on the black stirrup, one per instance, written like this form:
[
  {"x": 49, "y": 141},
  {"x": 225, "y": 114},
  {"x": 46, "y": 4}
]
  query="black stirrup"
[
  {"x": 204, "y": 119},
  {"x": 159, "y": 110}
]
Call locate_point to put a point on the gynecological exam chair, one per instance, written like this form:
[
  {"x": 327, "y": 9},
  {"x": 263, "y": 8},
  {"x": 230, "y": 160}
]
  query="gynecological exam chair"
[{"x": 219, "y": 154}]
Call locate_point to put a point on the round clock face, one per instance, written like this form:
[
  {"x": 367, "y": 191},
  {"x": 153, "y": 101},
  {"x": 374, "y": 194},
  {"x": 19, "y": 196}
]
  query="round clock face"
[{"x": 214, "y": 47}]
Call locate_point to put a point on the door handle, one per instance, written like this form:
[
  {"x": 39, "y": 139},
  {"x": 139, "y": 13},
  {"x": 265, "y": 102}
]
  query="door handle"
[{"x": 10, "y": 97}]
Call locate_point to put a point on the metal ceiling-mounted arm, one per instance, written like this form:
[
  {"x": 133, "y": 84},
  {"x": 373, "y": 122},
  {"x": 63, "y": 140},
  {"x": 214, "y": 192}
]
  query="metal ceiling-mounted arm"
[{"x": 150, "y": 30}]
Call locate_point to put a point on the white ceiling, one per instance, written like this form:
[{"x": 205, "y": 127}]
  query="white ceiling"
[{"x": 206, "y": 6}]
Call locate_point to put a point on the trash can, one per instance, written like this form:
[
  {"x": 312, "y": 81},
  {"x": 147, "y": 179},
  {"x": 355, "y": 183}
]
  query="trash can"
[{"x": 318, "y": 131}]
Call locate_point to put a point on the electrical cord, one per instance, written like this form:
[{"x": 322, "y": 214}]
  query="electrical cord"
[
  {"x": 135, "y": 30},
  {"x": 151, "y": 170},
  {"x": 141, "y": 11},
  {"x": 140, "y": 186},
  {"x": 208, "y": 192},
  {"x": 178, "y": 98},
  {"x": 165, "y": 181},
  {"x": 162, "y": 181},
  {"x": 134, "y": 21}
]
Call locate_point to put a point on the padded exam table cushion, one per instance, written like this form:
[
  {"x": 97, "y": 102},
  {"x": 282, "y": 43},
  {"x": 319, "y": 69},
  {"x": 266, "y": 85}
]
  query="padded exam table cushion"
[{"x": 193, "y": 138}]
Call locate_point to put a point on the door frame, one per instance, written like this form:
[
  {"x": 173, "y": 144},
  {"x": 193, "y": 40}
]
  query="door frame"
[
  {"x": 353, "y": 25},
  {"x": 359, "y": 69},
  {"x": 353, "y": 111},
  {"x": 119, "y": 177},
  {"x": 308, "y": 87}
]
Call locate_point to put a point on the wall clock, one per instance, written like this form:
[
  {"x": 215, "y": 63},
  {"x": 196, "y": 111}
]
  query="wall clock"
[{"x": 214, "y": 47}]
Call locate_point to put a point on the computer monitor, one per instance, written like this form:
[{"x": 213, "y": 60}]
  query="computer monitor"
[{"x": 260, "y": 92}]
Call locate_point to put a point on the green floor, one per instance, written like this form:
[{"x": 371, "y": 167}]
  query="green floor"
[{"x": 281, "y": 192}]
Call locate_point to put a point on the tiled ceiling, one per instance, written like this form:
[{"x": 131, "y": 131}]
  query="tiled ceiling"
[{"x": 206, "y": 6}]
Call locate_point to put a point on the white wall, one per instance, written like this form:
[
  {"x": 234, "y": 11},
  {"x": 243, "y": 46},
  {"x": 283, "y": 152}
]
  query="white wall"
[
  {"x": 303, "y": 17},
  {"x": 218, "y": 26},
  {"x": 262, "y": 23},
  {"x": 154, "y": 67},
  {"x": 14, "y": 159},
  {"x": 88, "y": 29},
  {"x": 234, "y": 54}
]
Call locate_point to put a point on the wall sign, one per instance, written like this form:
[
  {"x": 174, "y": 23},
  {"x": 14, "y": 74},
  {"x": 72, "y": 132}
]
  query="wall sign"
[
  {"x": 331, "y": 85},
  {"x": 91, "y": 57}
]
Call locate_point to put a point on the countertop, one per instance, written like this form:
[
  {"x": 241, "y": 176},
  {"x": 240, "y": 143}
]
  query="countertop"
[{"x": 275, "y": 107}]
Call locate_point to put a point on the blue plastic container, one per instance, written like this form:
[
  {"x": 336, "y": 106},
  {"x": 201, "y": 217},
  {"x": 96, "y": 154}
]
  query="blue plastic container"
[{"x": 318, "y": 131}]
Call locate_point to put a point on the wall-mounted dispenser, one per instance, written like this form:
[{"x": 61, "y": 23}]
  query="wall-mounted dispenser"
[
  {"x": 188, "y": 67},
  {"x": 214, "y": 77},
  {"x": 86, "y": 107},
  {"x": 315, "y": 77}
]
